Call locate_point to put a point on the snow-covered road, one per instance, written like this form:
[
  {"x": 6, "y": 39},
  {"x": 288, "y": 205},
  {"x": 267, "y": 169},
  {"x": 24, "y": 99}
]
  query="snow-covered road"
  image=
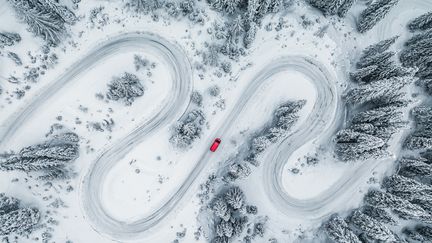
[{"x": 121, "y": 230}]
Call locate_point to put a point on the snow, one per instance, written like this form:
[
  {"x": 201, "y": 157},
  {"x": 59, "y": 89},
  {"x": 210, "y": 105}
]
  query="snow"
[{"x": 141, "y": 182}]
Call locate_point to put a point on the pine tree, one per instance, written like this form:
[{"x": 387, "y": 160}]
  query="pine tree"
[
  {"x": 231, "y": 6},
  {"x": 224, "y": 228},
  {"x": 412, "y": 168},
  {"x": 221, "y": 210},
  {"x": 343, "y": 10},
  {"x": 351, "y": 145},
  {"x": 250, "y": 35},
  {"x": 411, "y": 190},
  {"x": 234, "y": 197},
  {"x": 126, "y": 87},
  {"x": 374, "y": 13},
  {"x": 9, "y": 39},
  {"x": 19, "y": 221},
  {"x": 42, "y": 21},
  {"x": 379, "y": 59},
  {"x": 371, "y": 227},
  {"x": 422, "y": 22},
  {"x": 419, "y": 37},
  {"x": 376, "y": 91},
  {"x": 420, "y": 233},
  {"x": 338, "y": 231},
  {"x": 328, "y": 7},
  {"x": 401, "y": 207},
  {"x": 421, "y": 138},
  {"x": 239, "y": 171},
  {"x": 144, "y": 6},
  {"x": 379, "y": 214},
  {"x": 8, "y": 204},
  {"x": 362, "y": 74},
  {"x": 378, "y": 48}
]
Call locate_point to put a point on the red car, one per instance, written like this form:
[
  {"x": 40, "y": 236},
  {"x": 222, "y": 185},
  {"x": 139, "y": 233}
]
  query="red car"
[{"x": 215, "y": 144}]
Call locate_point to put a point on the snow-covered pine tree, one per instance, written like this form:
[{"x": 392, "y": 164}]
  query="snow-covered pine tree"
[
  {"x": 41, "y": 21},
  {"x": 224, "y": 228},
  {"x": 419, "y": 37},
  {"x": 126, "y": 87},
  {"x": 239, "y": 171},
  {"x": 231, "y": 6},
  {"x": 144, "y": 6},
  {"x": 235, "y": 197},
  {"x": 8, "y": 204},
  {"x": 378, "y": 90},
  {"x": 339, "y": 231},
  {"x": 414, "y": 168},
  {"x": 9, "y": 39},
  {"x": 249, "y": 37},
  {"x": 63, "y": 12},
  {"x": 328, "y": 7},
  {"x": 363, "y": 74},
  {"x": 19, "y": 221},
  {"x": 378, "y": 48},
  {"x": 422, "y": 22},
  {"x": 221, "y": 210},
  {"x": 371, "y": 227},
  {"x": 351, "y": 145},
  {"x": 379, "y": 214},
  {"x": 401, "y": 207},
  {"x": 379, "y": 59},
  {"x": 345, "y": 7},
  {"x": 410, "y": 190},
  {"x": 374, "y": 13},
  {"x": 421, "y": 138},
  {"x": 420, "y": 233}
]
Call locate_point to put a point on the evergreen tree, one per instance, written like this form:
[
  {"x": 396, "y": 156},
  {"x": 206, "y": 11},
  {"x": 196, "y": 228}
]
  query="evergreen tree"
[
  {"x": 234, "y": 197},
  {"x": 401, "y": 207},
  {"x": 371, "y": 227},
  {"x": 224, "y": 228},
  {"x": 8, "y": 204},
  {"x": 250, "y": 35},
  {"x": 19, "y": 221},
  {"x": 343, "y": 10},
  {"x": 338, "y": 231},
  {"x": 379, "y": 59},
  {"x": 374, "y": 13},
  {"x": 412, "y": 168},
  {"x": 421, "y": 138},
  {"x": 44, "y": 18},
  {"x": 9, "y": 39},
  {"x": 221, "y": 210},
  {"x": 144, "y": 6},
  {"x": 376, "y": 91},
  {"x": 351, "y": 145},
  {"x": 419, "y": 37},
  {"x": 328, "y": 7},
  {"x": 379, "y": 214},
  {"x": 411, "y": 190},
  {"x": 420, "y": 233},
  {"x": 378, "y": 48},
  {"x": 126, "y": 87},
  {"x": 422, "y": 22},
  {"x": 362, "y": 74}
]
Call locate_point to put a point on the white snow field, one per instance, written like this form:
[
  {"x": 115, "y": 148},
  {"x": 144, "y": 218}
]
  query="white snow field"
[{"x": 132, "y": 184}]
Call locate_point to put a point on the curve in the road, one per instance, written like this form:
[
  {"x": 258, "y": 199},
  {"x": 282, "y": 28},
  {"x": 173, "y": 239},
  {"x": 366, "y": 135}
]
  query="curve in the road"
[
  {"x": 329, "y": 201},
  {"x": 177, "y": 103},
  {"x": 122, "y": 230}
]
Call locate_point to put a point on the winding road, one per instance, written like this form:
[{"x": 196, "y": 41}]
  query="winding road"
[
  {"x": 320, "y": 125},
  {"x": 122, "y": 230},
  {"x": 176, "y": 104}
]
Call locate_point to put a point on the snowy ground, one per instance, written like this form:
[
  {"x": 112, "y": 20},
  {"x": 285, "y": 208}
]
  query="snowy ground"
[{"x": 152, "y": 171}]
